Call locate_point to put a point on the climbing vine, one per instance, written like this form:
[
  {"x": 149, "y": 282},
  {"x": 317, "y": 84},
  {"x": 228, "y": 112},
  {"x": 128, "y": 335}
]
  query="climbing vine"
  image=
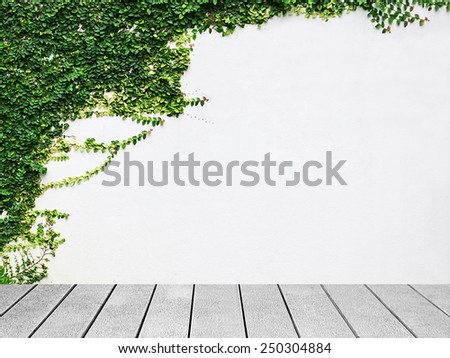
[{"x": 64, "y": 60}]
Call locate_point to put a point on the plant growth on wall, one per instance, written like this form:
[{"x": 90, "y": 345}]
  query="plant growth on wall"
[{"x": 63, "y": 60}]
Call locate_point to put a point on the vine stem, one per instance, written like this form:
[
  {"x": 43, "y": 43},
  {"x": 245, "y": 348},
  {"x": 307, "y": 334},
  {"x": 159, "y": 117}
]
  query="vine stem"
[
  {"x": 112, "y": 148},
  {"x": 45, "y": 253}
]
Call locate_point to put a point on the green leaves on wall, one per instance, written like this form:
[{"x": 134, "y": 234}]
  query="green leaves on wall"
[{"x": 64, "y": 60}]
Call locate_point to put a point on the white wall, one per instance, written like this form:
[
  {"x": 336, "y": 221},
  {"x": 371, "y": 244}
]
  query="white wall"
[{"x": 296, "y": 88}]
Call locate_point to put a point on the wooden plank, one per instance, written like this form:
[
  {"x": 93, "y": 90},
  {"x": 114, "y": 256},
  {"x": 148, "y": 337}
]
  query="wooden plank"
[
  {"x": 365, "y": 313},
  {"x": 10, "y": 294},
  {"x": 169, "y": 312},
  {"x": 424, "y": 319},
  {"x": 23, "y": 318},
  {"x": 123, "y": 313},
  {"x": 313, "y": 312},
  {"x": 76, "y": 312},
  {"x": 438, "y": 294},
  {"x": 266, "y": 315},
  {"x": 217, "y": 312}
]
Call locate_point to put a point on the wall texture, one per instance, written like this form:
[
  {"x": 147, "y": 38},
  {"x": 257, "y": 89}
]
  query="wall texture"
[{"x": 295, "y": 88}]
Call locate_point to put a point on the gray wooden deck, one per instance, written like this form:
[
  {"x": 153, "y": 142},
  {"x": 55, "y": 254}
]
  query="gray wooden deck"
[{"x": 238, "y": 311}]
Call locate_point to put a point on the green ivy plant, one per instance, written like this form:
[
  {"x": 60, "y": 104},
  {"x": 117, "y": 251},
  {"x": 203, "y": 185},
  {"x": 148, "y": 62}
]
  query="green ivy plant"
[{"x": 63, "y": 60}]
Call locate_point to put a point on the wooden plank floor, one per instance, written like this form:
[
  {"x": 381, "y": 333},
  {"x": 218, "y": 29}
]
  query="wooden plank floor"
[{"x": 202, "y": 311}]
